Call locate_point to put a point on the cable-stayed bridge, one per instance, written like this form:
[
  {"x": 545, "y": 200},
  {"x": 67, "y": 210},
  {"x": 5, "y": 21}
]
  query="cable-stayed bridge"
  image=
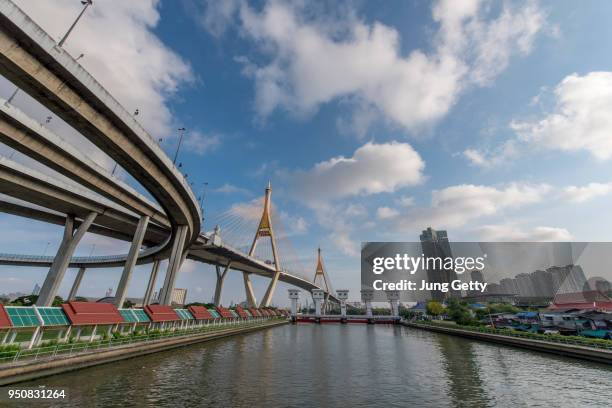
[{"x": 167, "y": 227}]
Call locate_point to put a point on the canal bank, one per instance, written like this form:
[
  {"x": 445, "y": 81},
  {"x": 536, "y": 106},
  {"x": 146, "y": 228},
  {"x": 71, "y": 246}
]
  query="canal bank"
[
  {"x": 334, "y": 365},
  {"x": 30, "y": 370},
  {"x": 568, "y": 350}
]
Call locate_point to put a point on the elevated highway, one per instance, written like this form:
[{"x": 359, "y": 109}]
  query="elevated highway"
[{"x": 168, "y": 229}]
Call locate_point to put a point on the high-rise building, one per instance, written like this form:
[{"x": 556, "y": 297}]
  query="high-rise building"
[
  {"x": 435, "y": 244},
  {"x": 36, "y": 289},
  {"x": 567, "y": 279},
  {"x": 477, "y": 276},
  {"x": 178, "y": 296},
  {"x": 542, "y": 283},
  {"x": 524, "y": 285},
  {"x": 508, "y": 286}
]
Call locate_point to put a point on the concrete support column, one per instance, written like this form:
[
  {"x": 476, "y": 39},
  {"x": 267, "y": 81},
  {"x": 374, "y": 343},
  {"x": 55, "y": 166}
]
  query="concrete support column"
[
  {"x": 342, "y": 295},
  {"x": 151, "y": 285},
  {"x": 62, "y": 258},
  {"x": 318, "y": 296},
  {"x": 130, "y": 262},
  {"x": 174, "y": 264},
  {"x": 220, "y": 278},
  {"x": 294, "y": 295},
  {"x": 248, "y": 288},
  {"x": 265, "y": 302},
  {"x": 77, "y": 283},
  {"x": 366, "y": 296},
  {"x": 393, "y": 297}
]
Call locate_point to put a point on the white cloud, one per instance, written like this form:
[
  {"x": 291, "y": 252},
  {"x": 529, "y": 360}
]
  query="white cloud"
[
  {"x": 315, "y": 59},
  {"x": 513, "y": 233},
  {"x": 373, "y": 168},
  {"x": 228, "y": 188},
  {"x": 200, "y": 143},
  {"x": 456, "y": 206},
  {"x": 218, "y": 15},
  {"x": 384, "y": 213},
  {"x": 121, "y": 51},
  {"x": 406, "y": 201},
  {"x": 580, "y": 194},
  {"x": 291, "y": 225},
  {"x": 491, "y": 158},
  {"x": 581, "y": 119}
]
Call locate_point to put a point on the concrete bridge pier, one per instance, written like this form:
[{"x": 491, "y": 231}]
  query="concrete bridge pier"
[
  {"x": 248, "y": 289},
  {"x": 294, "y": 295},
  {"x": 220, "y": 279},
  {"x": 177, "y": 257},
  {"x": 151, "y": 285},
  {"x": 130, "y": 262},
  {"x": 393, "y": 297},
  {"x": 77, "y": 283},
  {"x": 342, "y": 295},
  {"x": 58, "y": 268},
  {"x": 318, "y": 295},
  {"x": 367, "y": 295},
  {"x": 265, "y": 302}
]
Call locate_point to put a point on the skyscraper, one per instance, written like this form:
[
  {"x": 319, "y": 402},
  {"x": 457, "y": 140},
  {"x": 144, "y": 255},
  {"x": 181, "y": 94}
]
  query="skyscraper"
[{"x": 435, "y": 244}]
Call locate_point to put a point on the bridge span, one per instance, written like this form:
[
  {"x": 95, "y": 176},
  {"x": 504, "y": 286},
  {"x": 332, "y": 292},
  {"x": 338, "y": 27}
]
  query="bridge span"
[{"x": 168, "y": 228}]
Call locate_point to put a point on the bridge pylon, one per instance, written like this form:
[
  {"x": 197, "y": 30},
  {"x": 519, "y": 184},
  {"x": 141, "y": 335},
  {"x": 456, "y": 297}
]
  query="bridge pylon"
[
  {"x": 264, "y": 229},
  {"x": 321, "y": 278}
]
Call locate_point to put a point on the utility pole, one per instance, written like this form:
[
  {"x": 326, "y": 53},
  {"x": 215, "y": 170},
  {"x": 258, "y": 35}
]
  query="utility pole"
[
  {"x": 181, "y": 133},
  {"x": 86, "y": 3}
]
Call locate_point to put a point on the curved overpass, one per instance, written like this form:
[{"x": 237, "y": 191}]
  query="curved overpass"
[{"x": 33, "y": 61}]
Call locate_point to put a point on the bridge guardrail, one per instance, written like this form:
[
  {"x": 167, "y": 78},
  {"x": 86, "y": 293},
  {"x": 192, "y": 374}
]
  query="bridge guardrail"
[
  {"x": 71, "y": 349},
  {"x": 594, "y": 343}
]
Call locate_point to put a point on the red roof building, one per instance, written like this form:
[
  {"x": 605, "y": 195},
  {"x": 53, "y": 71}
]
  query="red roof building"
[
  {"x": 161, "y": 313},
  {"x": 241, "y": 312},
  {"x": 254, "y": 312},
  {"x": 85, "y": 313},
  {"x": 223, "y": 312},
  {"x": 591, "y": 299},
  {"x": 200, "y": 313},
  {"x": 5, "y": 322}
]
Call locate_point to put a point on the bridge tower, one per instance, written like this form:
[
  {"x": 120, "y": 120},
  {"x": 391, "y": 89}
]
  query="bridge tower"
[
  {"x": 264, "y": 229},
  {"x": 320, "y": 278}
]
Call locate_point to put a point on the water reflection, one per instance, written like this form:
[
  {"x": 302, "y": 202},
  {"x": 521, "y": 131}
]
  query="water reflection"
[
  {"x": 462, "y": 372},
  {"x": 339, "y": 365}
]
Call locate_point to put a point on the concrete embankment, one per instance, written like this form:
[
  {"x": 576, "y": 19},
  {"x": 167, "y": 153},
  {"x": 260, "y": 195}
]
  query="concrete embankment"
[
  {"x": 30, "y": 370},
  {"x": 570, "y": 350}
]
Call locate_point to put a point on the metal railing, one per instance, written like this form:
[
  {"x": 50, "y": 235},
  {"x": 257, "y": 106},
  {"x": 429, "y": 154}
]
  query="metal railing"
[
  {"x": 69, "y": 349},
  {"x": 550, "y": 338}
]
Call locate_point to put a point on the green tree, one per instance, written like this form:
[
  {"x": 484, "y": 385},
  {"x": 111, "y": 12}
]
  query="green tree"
[
  {"x": 27, "y": 300},
  {"x": 57, "y": 301},
  {"x": 434, "y": 308},
  {"x": 460, "y": 313}
]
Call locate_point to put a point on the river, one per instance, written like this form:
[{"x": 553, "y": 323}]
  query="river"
[{"x": 340, "y": 365}]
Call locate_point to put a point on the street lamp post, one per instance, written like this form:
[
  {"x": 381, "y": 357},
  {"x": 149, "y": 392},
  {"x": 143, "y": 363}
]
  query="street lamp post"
[
  {"x": 86, "y": 3},
  {"x": 181, "y": 133},
  {"x": 202, "y": 202}
]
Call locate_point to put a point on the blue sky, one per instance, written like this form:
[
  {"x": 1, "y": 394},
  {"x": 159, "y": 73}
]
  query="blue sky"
[{"x": 373, "y": 120}]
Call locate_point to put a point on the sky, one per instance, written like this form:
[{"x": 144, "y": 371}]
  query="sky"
[{"x": 372, "y": 120}]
